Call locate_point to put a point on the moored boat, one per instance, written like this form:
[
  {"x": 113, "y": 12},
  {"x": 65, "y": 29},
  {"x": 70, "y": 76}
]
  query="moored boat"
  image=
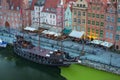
[
  {"x": 40, "y": 55},
  {"x": 3, "y": 44}
]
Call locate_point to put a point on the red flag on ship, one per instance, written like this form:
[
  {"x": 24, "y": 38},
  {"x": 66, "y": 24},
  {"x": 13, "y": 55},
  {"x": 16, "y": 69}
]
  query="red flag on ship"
[{"x": 21, "y": 13}]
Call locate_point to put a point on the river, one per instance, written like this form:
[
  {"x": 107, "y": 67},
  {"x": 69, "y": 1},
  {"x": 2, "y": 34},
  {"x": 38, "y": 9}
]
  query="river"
[{"x": 13, "y": 67}]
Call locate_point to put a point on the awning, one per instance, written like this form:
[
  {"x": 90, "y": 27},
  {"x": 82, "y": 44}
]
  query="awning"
[
  {"x": 66, "y": 31},
  {"x": 51, "y": 33},
  {"x": 106, "y": 44},
  {"x": 30, "y": 29},
  {"x": 76, "y": 34},
  {"x": 96, "y": 41}
]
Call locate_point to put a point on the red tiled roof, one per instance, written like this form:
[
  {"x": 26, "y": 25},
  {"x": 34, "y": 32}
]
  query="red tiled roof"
[
  {"x": 105, "y": 2},
  {"x": 50, "y": 6},
  {"x": 19, "y": 3}
]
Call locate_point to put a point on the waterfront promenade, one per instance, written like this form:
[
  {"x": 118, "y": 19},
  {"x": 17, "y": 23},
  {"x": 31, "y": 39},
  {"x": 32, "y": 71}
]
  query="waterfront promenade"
[{"x": 93, "y": 54}]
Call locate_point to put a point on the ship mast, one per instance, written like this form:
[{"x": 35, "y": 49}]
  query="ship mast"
[
  {"x": 39, "y": 26},
  {"x": 62, "y": 14}
]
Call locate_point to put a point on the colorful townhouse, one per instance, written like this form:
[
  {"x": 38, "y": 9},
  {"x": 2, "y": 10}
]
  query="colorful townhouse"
[
  {"x": 79, "y": 14},
  {"x": 96, "y": 19},
  {"x": 110, "y": 22},
  {"x": 37, "y": 15},
  {"x": 68, "y": 16},
  {"x": 15, "y": 13},
  {"x": 117, "y": 38},
  {"x": 49, "y": 15}
]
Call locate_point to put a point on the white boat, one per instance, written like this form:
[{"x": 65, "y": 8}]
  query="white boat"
[{"x": 3, "y": 44}]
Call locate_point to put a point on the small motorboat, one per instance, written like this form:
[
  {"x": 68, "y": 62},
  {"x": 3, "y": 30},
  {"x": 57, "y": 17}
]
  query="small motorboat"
[{"x": 3, "y": 43}]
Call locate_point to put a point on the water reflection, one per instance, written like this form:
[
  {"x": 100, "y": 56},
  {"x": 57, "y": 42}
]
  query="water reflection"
[{"x": 13, "y": 67}]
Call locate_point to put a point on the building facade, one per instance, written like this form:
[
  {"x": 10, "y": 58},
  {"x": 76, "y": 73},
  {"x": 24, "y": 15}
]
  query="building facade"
[
  {"x": 117, "y": 43},
  {"x": 68, "y": 17},
  {"x": 79, "y": 11},
  {"x": 110, "y": 22},
  {"x": 96, "y": 19},
  {"x": 15, "y": 14}
]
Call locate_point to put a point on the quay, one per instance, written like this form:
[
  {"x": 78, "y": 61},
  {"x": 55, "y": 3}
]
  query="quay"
[{"x": 101, "y": 59}]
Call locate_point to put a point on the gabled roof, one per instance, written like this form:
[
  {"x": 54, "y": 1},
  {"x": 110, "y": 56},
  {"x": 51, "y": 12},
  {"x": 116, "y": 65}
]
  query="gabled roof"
[
  {"x": 104, "y": 2},
  {"x": 50, "y": 6},
  {"x": 19, "y": 3}
]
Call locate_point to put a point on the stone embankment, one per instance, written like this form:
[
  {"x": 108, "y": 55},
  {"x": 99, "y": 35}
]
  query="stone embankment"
[
  {"x": 101, "y": 66},
  {"x": 68, "y": 46}
]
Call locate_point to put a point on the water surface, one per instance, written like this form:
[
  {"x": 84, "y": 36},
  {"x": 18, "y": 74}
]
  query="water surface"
[{"x": 13, "y": 67}]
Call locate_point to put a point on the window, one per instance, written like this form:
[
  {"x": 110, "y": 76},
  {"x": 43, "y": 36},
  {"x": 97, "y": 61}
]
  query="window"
[
  {"x": 84, "y": 5},
  {"x": 97, "y": 15},
  {"x": 111, "y": 35},
  {"x": 112, "y": 19},
  {"x": 107, "y": 27},
  {"x": 93, "y": 15},
  {"x": 102, "y": 16},
  {"x": 97, "y": 23},
  {"x": 108, "y": 18},
  {"x": 79, "y": 13},
  {"x": 118, "y": 19},
  {"x": 96, "y": 31},
  {"x": 83, "y": 20},
  {"x": 83, "y": 13},
  {"x": 98, "y": 8},
  {"x": 118, "y": 28},
  {"x": 93, "y": 22},
  {"x": 74, "y": 12},
  {"x": 101, "y": 33},
  {"x": 107, "y": 34},
  {"x": 89, "y": 22},
  {"x": 102, "y": 24},
  {"x": 74, "y": 19},
  {"x": 88, "y": 29},
  {"x": 93, "y": 8},
  {"x": 79, "y": 21},
  {"x": 53, "y": 16},
  {"x": 111, "y": 27},
  {"x": 89, "y": 15},
  {"x": 117, "y": 37}
]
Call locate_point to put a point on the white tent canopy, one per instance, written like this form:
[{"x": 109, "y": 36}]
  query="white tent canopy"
[
  {"x": 51, "y": 33},
  {"x": 76, "y": 34},
  {"x": 106, "y": 44},
  {"x": 96, "y": 41},
  {"x": 0, "y": 41},
  {"x": 30, "y": 29}
]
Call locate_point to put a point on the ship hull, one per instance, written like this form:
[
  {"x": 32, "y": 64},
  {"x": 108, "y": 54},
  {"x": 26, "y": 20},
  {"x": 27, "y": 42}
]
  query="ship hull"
[{"x": 38, "y": 59}]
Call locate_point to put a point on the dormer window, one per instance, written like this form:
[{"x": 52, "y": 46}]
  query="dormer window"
[
  {"x": 18, "y": 8},
  {"x": 12, "y": 7}
]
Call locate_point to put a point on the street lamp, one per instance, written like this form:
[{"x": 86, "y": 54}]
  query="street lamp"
[{"x": 110, "y": 59}]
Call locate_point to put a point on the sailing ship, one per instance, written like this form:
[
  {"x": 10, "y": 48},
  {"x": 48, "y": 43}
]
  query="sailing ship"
[{"x": 40, "y": 55}]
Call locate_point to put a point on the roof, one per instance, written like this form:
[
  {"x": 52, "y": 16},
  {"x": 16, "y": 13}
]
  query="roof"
[
  {"x": 76, "y": 34},
  {"x": 104, "y": 2},
  {"x": 50, "y": 6},
  {"x": 107, "y": 44},
  {"x": 29, "y": 29},
  {"x": 19, "y": 3}
]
